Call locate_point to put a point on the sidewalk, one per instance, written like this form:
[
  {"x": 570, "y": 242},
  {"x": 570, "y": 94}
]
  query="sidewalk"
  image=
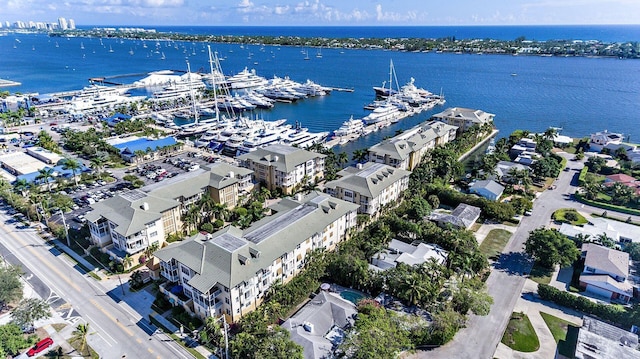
[{"x": 530, "y": 305}]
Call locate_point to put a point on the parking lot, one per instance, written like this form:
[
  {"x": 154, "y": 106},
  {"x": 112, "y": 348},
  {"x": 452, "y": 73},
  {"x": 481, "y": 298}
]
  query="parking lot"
[{"x": 150, "y": 173}]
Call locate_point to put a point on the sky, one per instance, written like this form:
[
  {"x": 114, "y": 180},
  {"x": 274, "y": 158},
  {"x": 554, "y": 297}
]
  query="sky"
[{"x": 324, "y": 12}]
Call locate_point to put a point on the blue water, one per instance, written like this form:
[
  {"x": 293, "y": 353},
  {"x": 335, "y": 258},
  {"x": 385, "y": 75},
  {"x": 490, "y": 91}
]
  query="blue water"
[{"x": 581, "y": 95}]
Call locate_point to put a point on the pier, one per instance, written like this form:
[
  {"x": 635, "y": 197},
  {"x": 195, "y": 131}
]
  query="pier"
[
  {"x": 8, "y": 83},
  {"x": 340, "y": 89}
]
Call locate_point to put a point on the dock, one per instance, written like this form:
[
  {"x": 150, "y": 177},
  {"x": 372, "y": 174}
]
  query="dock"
[
  {"x": 341, "y": 89},
  {"x": 8, "y": 83}
]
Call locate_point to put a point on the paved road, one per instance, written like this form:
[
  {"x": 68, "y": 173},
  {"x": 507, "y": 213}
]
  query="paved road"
[
  {"x": 482, "y": 335},
  {"x": 116, "y": 329}
]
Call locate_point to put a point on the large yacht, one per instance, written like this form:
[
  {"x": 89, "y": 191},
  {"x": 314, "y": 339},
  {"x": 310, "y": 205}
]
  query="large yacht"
[
  {"x": 350, "y": 127},
  {"x": 387, "y": 113},
  {"x": 246, "y": 79}
]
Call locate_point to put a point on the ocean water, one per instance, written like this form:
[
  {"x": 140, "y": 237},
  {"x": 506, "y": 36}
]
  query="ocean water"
[{"x": 581, "y": 95}]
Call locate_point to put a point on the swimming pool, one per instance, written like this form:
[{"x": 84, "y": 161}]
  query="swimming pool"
[{"x": 352, "y": 296}]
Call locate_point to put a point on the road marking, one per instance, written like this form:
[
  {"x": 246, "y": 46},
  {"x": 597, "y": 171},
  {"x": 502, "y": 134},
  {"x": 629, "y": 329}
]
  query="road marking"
[
  {"x": 113, "y": 319},
  {"x": 150, "y": 350},
  {"x": 44, "y": 261},
  {"x": 139, "y": 340}
]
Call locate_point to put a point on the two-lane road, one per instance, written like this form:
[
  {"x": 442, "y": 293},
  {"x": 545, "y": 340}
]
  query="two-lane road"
[{"x": 116, "y": 330}]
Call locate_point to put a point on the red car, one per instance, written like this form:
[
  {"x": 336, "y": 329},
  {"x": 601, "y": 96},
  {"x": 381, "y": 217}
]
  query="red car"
[{"x": 40, "y": 346}]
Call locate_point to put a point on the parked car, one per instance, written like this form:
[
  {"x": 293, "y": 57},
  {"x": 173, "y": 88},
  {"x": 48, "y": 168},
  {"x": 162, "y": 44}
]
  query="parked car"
[{"x": 40, "y": 346}]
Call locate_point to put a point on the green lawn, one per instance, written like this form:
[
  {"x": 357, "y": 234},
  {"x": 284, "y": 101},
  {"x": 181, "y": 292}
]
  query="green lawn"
[
  {"x": 557, "y": 326},
  {"x": 561, "y": 216},
  {"x": 494, "y": 243},
  {"x": 540, "y": 275},
  {"x": 520, "y": 334}
]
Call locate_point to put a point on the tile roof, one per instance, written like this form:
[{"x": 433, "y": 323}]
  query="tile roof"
[{"x": 284, "y": 158}]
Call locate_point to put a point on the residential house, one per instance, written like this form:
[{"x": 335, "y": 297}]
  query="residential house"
[
  {"x": 228, "y": 272},
  {"x": 525, "y": 144},
  {"x": 285, "y": 167},
  {"x": 619, "y": 232},
  {"x": 625, "y": 180},
  {"x": 410, "y": 254},
  {"x": 142, "y": 149},
  {"x": 406, "y": 150},
  {"x": 597, "y": 339},
  {"x": 488, "y": 189},
  {"x": 463, "y": 118},
  {"x": 462, "y": 217},
  {"x": 605, "y": 272},
  {"x": 601, "y": 139},
  {"x": 504, "y": 168},
  {"x": 371, "y": 185},
  {"x": 320, "y": 326}
]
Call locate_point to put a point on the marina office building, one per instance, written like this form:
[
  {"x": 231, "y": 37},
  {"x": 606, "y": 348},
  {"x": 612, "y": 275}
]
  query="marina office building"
[{"x": 227, "y": 273}]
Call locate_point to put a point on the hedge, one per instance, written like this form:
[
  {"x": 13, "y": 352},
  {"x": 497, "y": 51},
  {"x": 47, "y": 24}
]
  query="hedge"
[
  {"x": 606, "y": 312},
  {"x": 583, "y": 174},
  {"x": 606, "y": 206}
]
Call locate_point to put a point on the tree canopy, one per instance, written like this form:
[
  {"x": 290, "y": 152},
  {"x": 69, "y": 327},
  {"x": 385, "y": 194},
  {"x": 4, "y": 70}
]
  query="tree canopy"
[
  {"x": 548, "y": 247},
  {"x": 29, "y": 310},
  {"x": 10, "y": 285}
]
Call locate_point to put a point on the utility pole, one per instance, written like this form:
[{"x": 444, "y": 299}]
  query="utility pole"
[{"x": 66, "y": 231}]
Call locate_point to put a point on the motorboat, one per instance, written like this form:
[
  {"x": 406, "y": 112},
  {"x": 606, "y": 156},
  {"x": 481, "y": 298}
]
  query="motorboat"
[
  {"x": 350, "y": 127},
  {"x": 246, "y": 79}
]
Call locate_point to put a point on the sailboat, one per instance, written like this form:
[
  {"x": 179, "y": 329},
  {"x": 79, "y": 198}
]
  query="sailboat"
[
  {"x": 306, "y": 55},
  {"x": 57, "y": 44},
  {"x": 82, "y": 46},
  {"x": 110, "y": 48},
  {"x": 162, "y": 57},
  {"x": 319, "y": 54},
  {"x": 130, "y": 51}
]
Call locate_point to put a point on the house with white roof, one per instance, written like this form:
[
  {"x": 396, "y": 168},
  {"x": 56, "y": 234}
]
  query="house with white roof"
[
  {"x": 619, "y": 232},
  {"x": 601, "y": 139},
  {"x": 605, "y": 272},
  {"x": 463, "y": 118},
  {"x": 410, "y": 254},
  {"x": 371, "y": 185}
]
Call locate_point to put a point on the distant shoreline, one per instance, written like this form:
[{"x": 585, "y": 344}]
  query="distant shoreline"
[{"x": 519, "y": 46}]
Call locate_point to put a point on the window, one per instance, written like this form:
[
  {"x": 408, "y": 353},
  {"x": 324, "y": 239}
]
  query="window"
[
  {"x": 153, "y": 234},
  {"x": 226, "y": 300},
  {"x": 185, "y": 270}
]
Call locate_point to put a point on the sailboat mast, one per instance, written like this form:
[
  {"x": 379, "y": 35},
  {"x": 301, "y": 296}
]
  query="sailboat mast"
[
  {"x": 213, "y": 83},
  {"x": 193, "y": 100}
]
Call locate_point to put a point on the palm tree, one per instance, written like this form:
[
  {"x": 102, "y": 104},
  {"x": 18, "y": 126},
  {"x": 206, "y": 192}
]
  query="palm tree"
[
  {"x": 97, "y": 164},
  {"x": 127, "y": 261},
  {"x": 207, "y": 204},
  {"x": 343, "y": 158},
  {"x": 44, "y": 174},
  {"x": 22, "y": 186},
  {"x": 74, "y": 166},
  {"x": 81, "y": 332},
  {"x": 360, "y": 156},
  {"x": 550, "y": 133}
]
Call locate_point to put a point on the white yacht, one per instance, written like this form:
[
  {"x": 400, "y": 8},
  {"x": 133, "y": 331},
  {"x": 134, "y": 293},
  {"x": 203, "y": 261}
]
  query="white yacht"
[
  {"x": 387, "y": 113},
  {"x": 246, "y": 79},
  {"x": 302, "y": 138},
  {"x": 350, "y": 127}
]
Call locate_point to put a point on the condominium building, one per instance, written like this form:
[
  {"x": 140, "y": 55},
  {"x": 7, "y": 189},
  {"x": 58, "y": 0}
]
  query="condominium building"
[
  {"x": 128, "y": 223},
  {"x": 285, "y": 167},
  {"x": 228, "y": 273},
  {"x": 463, "y": 118},
  {"x": 406, "y": 150},
  {"x": 370, "y": 185}
]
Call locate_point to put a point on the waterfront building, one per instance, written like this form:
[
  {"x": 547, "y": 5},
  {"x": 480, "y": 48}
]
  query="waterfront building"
[
  {"x": 284, "y": 167},
  {"x": 601, "y": 139},
  {"x": 370, "y": 185},
  {"x": 128, "y": 223},
  {"x": 463, "y": 118},
  {"x": 227, "y": 273},
  {"x": 406, "y": 150}
]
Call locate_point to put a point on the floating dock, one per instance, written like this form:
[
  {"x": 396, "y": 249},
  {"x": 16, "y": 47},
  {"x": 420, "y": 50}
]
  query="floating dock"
[{"x": 8, "y": 83}]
